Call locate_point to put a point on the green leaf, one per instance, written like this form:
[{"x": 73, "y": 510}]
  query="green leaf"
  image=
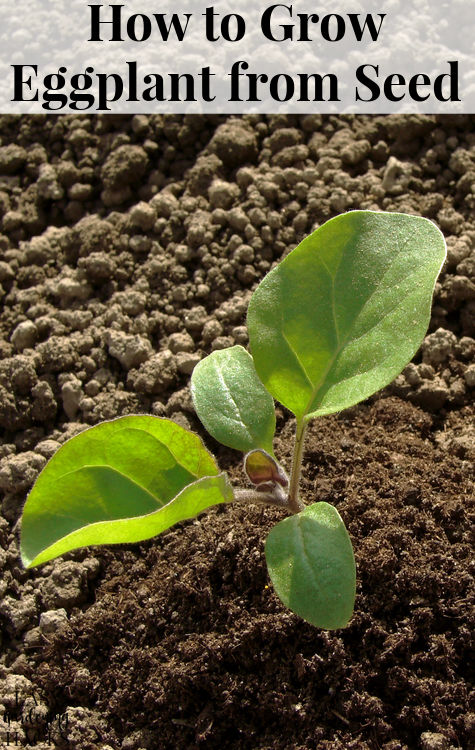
[
  {"x": 261, "y": 468},
  {"x": 192, "y": 500},
  {"x": 129, "y": 468},
  {"x": 231, "y": 401},
  {"x": 312, "y": 567},
  {"x": 346, "y": 310}
]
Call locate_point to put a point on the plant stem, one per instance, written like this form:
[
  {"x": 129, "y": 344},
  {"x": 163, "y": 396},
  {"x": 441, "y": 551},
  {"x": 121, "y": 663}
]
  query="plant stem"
[
  {"x": 278, "y": 495},
  {"x": 294, "y": 502},
  {"x": 268, "y": 498}
]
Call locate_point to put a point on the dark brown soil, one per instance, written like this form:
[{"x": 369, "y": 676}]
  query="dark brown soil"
[
  {"x": 187, "y": 646},
  {"x": 129, "y": 249}
]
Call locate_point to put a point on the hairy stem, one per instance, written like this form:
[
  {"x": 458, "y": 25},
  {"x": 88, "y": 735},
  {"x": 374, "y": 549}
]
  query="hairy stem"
[
  {"x": 268, "y": 498},
  {"x": 294, "y": 501}
]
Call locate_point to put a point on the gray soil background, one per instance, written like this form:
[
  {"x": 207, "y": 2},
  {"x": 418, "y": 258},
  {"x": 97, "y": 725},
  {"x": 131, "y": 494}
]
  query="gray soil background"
[{"x": 130, "y": 247}]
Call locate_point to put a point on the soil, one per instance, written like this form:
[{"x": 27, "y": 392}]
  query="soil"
[{"x": 129, "y": 250}]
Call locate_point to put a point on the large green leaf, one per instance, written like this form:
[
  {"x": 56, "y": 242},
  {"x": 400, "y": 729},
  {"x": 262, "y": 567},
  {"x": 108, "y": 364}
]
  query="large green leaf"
[
  {"x": 346, "y": 310},
  {"x": 231, "y": 401},
  {"x": 311, "y": 565},
  {"x": 192, "y": 500},
  {"x": 133, "y": 470}
]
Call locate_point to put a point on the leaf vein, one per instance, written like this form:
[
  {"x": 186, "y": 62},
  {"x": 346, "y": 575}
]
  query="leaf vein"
[
  {"x": 347, "y": 337},
  {"x": 332, "y": 279},
  {"x": 307, "y": 557},
  {"x": 239, "y": 420},
  {"x": 307, "y": 377}
]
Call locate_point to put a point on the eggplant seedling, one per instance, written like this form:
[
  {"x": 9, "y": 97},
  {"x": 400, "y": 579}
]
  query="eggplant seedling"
[{"x": 331, "y": 324}]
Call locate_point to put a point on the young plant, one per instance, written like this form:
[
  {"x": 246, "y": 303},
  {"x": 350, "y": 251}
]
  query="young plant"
[{"x": 330, "y": 325}]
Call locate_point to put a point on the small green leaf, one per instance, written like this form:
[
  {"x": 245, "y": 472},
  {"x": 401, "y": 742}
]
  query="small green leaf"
[
  {"x": 125, "y": 469},
  {"x": 312, "y": 567},
  {"x": 231, "y": 401},
  {"x": 346, "y": 310},
  {"x": 261, "y": 468}
]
